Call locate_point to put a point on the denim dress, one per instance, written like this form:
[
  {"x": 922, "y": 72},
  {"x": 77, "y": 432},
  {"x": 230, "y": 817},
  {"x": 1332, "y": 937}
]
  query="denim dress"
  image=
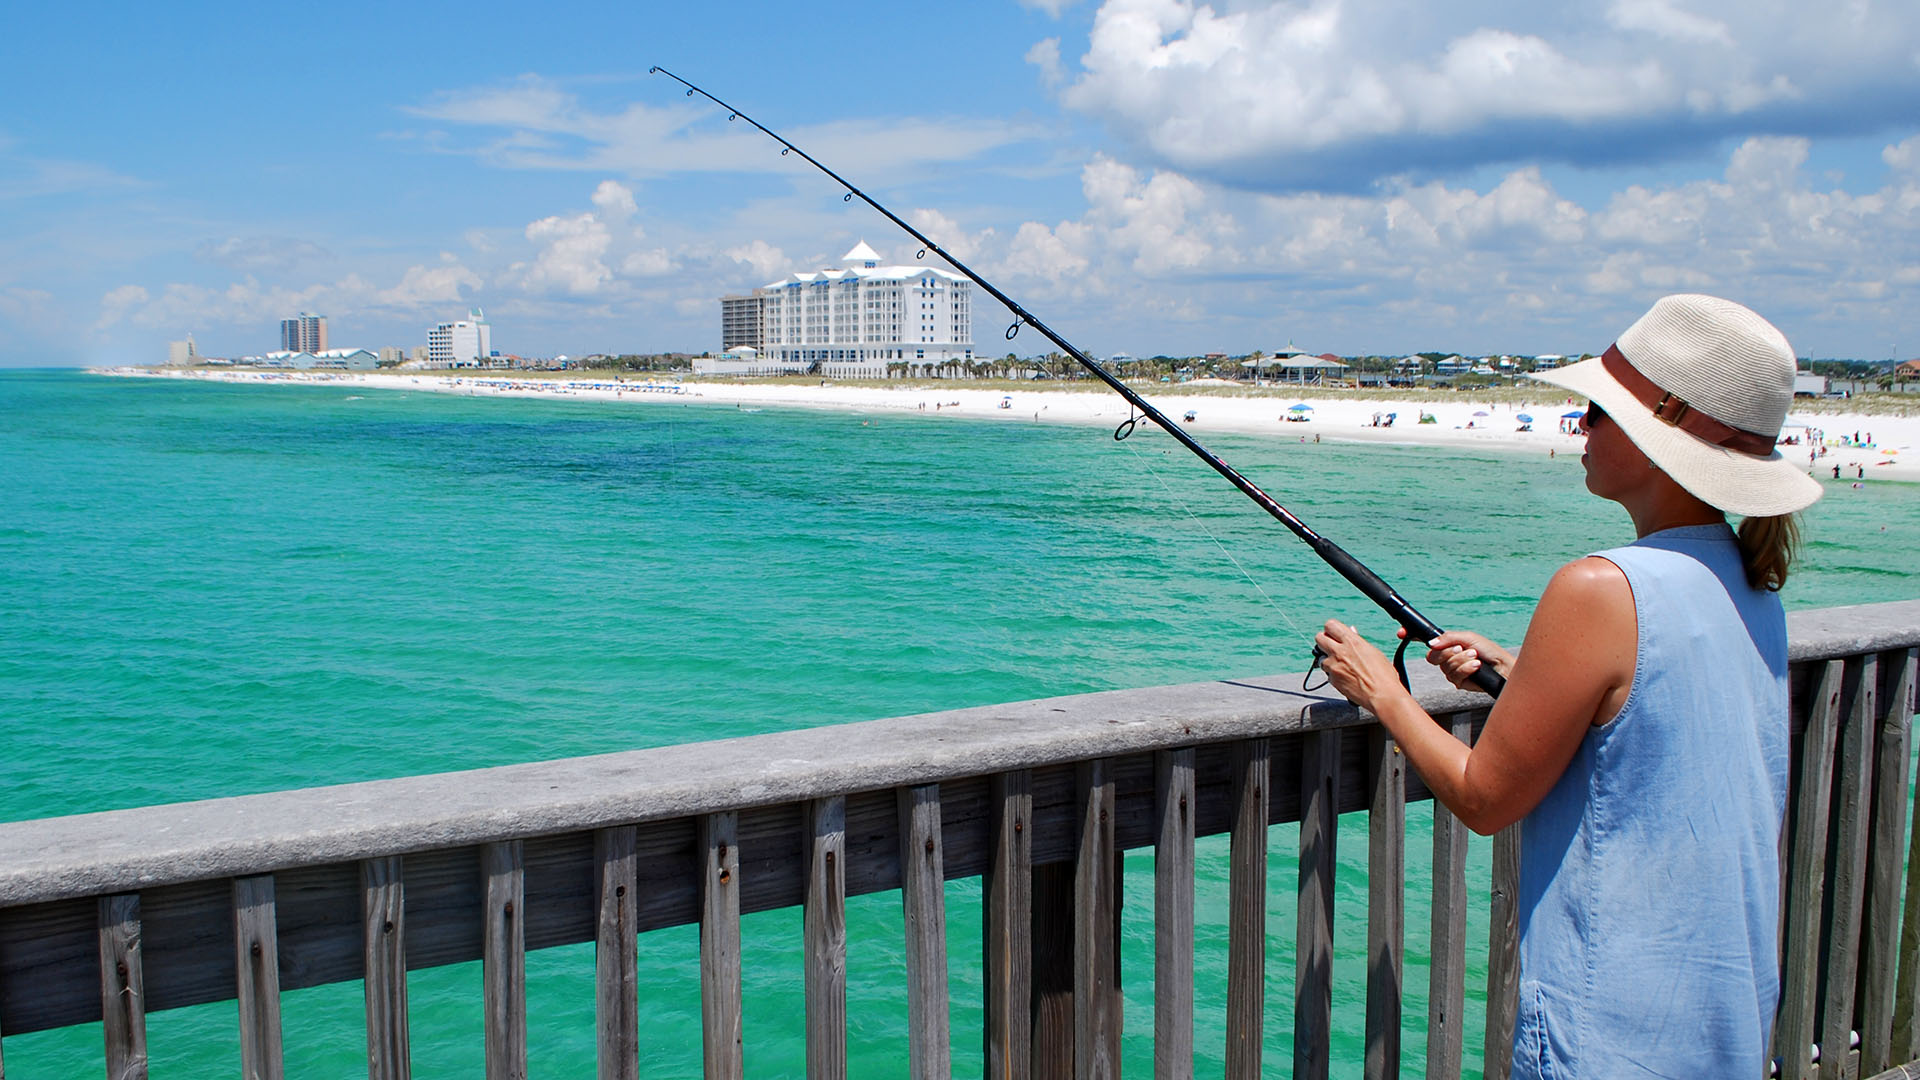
[{"x": 1650, "y": 874}]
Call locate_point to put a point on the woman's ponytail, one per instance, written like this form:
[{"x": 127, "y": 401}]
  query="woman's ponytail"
[{"x": 1767, "y": 548}]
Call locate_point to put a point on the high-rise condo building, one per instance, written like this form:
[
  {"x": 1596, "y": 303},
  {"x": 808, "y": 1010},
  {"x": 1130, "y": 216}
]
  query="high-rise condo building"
[
  {"x": 864, "y": 320},
  {"x": 304, "y": 333},
  {"x": 465, "y": 343},
  {"x": 740, "y": 321}
]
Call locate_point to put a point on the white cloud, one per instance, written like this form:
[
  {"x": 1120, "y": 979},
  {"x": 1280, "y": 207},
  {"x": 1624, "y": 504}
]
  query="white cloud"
[
  {"x": 422, "y": 286},
  {"x": 767, "y": 261},
  {"x": 1663, "y": 19},
  {"x": 949, "y": 234},
  {"x": 615, "y": 200},
  {"x": 543, "y": 127},
  {"x": 650, "y": 263},
  {"x": 570, "y": 258},
  {"x": 1045, "y": 55},
  {"x": 1339, "y": 93},
  {"x": 119, "y": 302},
  {"x": 261, "y": 253},
  {"x": 1053, "y": 8}
]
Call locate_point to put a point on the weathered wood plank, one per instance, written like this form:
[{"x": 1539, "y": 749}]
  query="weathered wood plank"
[
  {"x": 1847, "y": 887},
  {"x": 1906, "y": 1017},
  {"x": 616, "y": 953},
  {"x": 1313, "y": 948},
  {"x": 1008, "y": 935},
  {"x": 1793, "y": 1033},
  {"x": 1503, "y": 955},
  {"x": 923, "y": 898},
  {"x": 1053, "y": 970},
  {"x": 1096, "y": 958},
  {"x": 384, "y": 950},
  {"x": 1446, "y": 985},
  {"x": 722, "y": 1036},
  {"x": 825, "y": 928},
  {"x": 123, "y": 995},
  {"x": 1386, "y": 903},
  {"x": 1247, "y": 909},
  {"x": 1880, "y": 941},
  {"x": 256, "y": 950},
  {"x": 504, "y": 959},
  {"x": 1173, "y": 929}
]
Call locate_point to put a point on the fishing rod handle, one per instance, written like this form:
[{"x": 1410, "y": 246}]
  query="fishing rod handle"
[{"x": 1418, "y": 627}]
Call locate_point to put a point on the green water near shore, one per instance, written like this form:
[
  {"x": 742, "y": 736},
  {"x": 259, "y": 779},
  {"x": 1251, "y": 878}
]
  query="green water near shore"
[{"x": 211, "y": 590}]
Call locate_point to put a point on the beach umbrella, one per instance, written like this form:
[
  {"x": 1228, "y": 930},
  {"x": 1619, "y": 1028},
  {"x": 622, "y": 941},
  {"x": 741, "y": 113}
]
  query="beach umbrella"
[
  {"x": 1301, "y": 407},
  {"x": 1572, "y": 415},
  {"x": 1482, "y": 412},
  {"x": 1524, "y": 418}
]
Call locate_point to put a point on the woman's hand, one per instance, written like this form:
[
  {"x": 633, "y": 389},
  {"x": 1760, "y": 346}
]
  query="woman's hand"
[
  {"x": 1359, "y": 671},
  {"x": 1460, "y": 653}
]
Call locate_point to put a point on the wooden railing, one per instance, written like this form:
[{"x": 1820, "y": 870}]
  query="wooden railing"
[{"x": 107, "y": 917}]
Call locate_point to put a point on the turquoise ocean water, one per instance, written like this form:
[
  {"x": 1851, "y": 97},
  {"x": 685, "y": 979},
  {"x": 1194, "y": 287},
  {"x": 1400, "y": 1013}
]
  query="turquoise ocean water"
[{"x": 213, "y": 590}]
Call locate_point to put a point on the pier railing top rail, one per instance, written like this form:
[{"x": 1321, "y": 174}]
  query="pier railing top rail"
[{"x": 122, "y": 850}]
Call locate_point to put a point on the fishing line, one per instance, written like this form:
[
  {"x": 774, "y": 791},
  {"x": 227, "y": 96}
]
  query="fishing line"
[
  {"x": 1417, "y": 626},
  {"x": 1224, "y": 550}
]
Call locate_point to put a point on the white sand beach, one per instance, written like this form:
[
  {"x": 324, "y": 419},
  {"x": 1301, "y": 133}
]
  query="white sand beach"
[{"x": 1868, "y": 448}]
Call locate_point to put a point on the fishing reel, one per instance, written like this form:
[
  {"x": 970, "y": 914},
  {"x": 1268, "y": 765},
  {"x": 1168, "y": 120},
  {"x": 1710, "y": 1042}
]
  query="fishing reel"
[{"x": 1319, "y": 654}]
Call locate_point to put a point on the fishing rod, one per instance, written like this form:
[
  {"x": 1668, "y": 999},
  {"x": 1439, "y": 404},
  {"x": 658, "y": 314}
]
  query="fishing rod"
[{"x": 1418, "y": 627}]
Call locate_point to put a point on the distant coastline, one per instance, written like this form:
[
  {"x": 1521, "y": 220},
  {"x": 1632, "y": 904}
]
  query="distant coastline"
[{"x": 1867, "y": 446}]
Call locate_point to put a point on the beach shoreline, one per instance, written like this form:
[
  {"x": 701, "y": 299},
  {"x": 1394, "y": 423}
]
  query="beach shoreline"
[{"x": 1468, "y": 423}]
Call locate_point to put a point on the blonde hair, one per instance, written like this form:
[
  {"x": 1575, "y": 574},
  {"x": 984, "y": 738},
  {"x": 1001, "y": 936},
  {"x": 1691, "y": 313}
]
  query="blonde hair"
[{"x": 1767, "y": 548}]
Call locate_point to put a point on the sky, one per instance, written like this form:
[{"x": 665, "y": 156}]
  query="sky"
[{"x": 1144, "y": 176}]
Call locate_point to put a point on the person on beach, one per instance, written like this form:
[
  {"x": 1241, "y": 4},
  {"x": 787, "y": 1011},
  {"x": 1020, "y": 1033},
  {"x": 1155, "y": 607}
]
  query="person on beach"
[{"x": 1641, "y": 739}]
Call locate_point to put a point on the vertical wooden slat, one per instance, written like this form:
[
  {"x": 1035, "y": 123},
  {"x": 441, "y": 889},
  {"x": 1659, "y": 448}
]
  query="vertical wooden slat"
[
  {"x": 123, "y": 995},
  {"x": 383, "y": 938},
  {"x": 1173, "y": 930},
  {"x": 256, "y": 956},
  {"x": 1096, "y": 959},
  {"x": 1008, "y": 936},
  {"x": 923, "y": 895},
  {"x": 1503, "y": 954},
  {"x": 1386, "y": 902},
  {"x": 1880, "y": 940},
  {"x": 1853, "y": 778},
  {"x": 825, "y": 918},
  {"x": 723, "y": 1048},
  {"x": 1905, "y": 1042},
  {"x": 504, "y": 959},
  {"x": 616, "y": 952},
  {"x": 1313, "y": 955},
  {"x": 1053, "y": 971},
  {"x": 1447, "y": 978},
  {"x": 1793, "y": 1033},
  {"x": 1247, "y": 910}
]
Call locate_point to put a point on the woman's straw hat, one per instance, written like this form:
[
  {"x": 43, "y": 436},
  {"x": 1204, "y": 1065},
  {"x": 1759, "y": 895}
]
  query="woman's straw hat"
[{"x": 1701, "y": 385}]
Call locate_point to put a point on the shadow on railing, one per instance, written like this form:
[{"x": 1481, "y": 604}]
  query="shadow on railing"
[{"x": 105, "y": 917}]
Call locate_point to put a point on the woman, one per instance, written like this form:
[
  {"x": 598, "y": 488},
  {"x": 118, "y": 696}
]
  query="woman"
[{"x": 1642, "y": 734}]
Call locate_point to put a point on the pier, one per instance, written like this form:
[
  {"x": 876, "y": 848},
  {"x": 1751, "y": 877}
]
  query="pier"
[{"x": 112, "y": 916}]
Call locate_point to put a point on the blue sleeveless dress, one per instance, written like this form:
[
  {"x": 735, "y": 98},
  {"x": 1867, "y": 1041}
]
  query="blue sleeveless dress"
[{"x": 1650, "y": 874}]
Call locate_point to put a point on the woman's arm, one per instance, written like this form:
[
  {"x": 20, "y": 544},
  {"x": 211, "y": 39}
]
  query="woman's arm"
[{"x": 1573, "y": 672}]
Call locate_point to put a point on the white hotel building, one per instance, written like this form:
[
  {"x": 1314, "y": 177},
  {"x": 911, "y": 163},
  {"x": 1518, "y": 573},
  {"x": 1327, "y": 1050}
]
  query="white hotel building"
[{"x": 863, "y": 321}]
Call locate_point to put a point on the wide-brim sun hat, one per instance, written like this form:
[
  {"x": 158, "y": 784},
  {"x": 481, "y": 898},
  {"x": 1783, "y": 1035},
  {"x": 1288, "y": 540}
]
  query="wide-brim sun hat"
[{"x": 1702, "y": 386}]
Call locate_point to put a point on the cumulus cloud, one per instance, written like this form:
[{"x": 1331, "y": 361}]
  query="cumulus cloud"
[
  {"x": 570, "y": 255},
  {"x": 1339, "y": 94},
  {"x": 615, "y": 200},
  {"x": 766, "y": 260},
  {"x": 950, "y": 234}
]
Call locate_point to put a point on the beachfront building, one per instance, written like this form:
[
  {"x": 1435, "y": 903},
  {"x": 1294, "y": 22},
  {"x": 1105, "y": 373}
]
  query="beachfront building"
[
  {"x": 740, "y": 322},
  {"x": 182, "y": 353},
  {"x": 466, "y": 342},
  {"x": 304, "y": 333},
  {"x": 324, "y": 360},
  {"x": 860, "y": 320}
]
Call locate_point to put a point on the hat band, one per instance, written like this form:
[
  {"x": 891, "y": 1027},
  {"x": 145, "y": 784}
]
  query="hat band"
[{"x": 1677, "y": 412}]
